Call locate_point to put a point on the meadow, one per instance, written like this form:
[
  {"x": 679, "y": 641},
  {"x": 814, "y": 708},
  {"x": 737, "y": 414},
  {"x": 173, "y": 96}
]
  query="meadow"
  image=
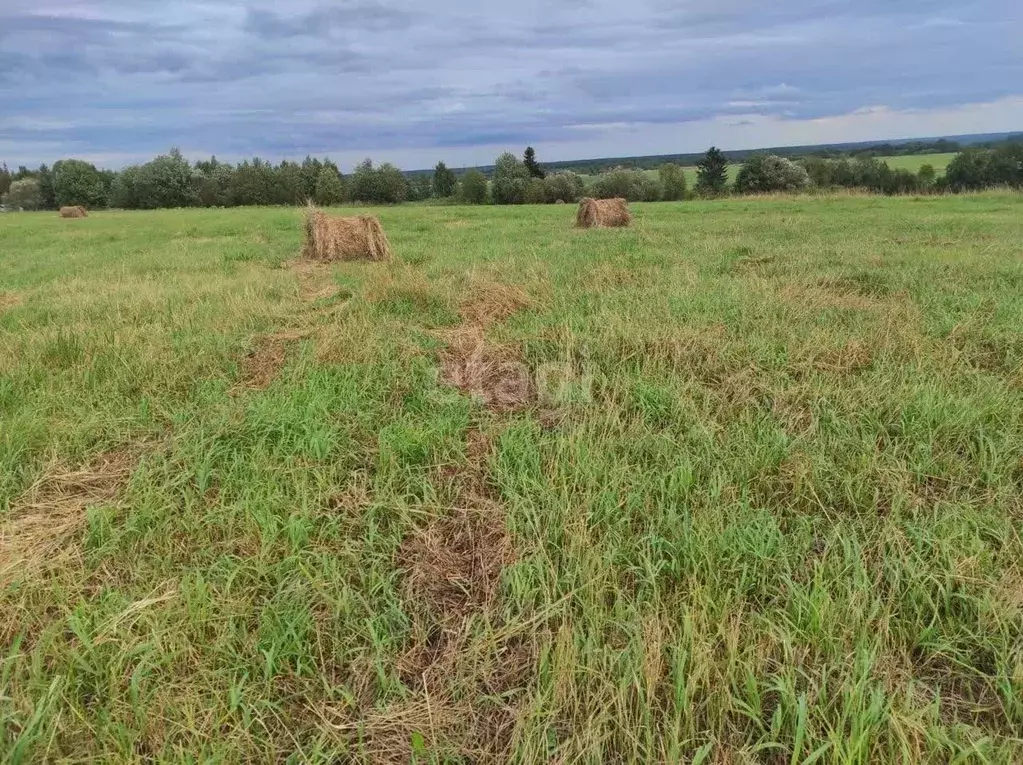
[{"x": 739, "y": 484}]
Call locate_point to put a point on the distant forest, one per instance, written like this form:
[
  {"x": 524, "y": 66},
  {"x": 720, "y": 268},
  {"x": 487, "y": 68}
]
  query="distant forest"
[
  {"x": 862, "y": 150},
  {"x": 171, "y": 180}
]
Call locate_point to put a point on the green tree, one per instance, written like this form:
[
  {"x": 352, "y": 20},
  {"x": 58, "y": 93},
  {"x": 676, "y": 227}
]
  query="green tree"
[
  {"x": 364, "y": 182},
  {"x": 252, "y": 183},
  {"x": 444, "y": 181},
  {"x": 712, "y": 173},
  {"x": 288, "y": 184},
  {"x": 473, "y": 188},
  {"x": 213, "y": 180},
  {"x": 1006, "y": 166},
  {"x": 529, "y": 160},
  {"x": 23, "y": 194},
  {"x": 968, "y": 170},
  {"x": 78, "y": 183},
  {"x": 49, "y": 197},
  {"x": 766, "y": 172},
  {"x": 5, "y": 179},
  {"x": 330, "y": 189},
  {"x": 392, "y": 184},
  {"x": 820, "y": 171},
  {"x": 511, "y": 178},
  {"x": 535, "y": 193},
  {"x": 420, "y": 187},
  {"x": 166, "y": 181},
  {"x": 673, "y": 182},
  {"x": 310, "y": 176}
]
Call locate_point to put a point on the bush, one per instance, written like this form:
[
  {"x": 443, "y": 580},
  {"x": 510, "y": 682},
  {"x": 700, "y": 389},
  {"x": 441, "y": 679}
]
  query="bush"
[
  {"x": 673, "y": 182},
  {"x": 565, "y": 186},
  {"x": 24, "y": 194},
  {"x": 511, "y": 179},
  {"x": 633, "y": 185},
  {"x": 820, "y": 171},
  {"x": 1006, "y": 166},
  {"x": 535, "y": 193},
  {"x": 766, "y": 172},
  {"x": 472, "y": 189},
  {"x": 927, "y": 176},
  {"x": 969, "y": 170}
]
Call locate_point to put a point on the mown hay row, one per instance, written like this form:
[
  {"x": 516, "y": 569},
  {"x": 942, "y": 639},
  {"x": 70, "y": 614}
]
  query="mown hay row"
[
  {"x": 74, "y": 211},
  {"x": 603, "y": 213},
  {"x": 353, "y": 238}
]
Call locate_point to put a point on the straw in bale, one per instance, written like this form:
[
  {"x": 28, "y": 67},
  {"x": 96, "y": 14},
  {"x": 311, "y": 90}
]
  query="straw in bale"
[
  {"x": 73, "y": 211},
  {"x": 603, "y": 213},
  {"x": 353, "y": 238}
]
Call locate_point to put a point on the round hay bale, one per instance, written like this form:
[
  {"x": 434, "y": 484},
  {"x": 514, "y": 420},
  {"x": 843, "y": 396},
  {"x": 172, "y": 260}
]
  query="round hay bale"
[
  {"x": 73, "y": 211},
  {"x": 603, "y": 213},
  {"x": 351, "y": 238}
]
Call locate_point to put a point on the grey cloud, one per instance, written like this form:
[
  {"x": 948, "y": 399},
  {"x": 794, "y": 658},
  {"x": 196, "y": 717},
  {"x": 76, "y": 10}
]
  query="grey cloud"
[
  {"x": 322, "y": 21},
  {"x": 247, "y": 77}
]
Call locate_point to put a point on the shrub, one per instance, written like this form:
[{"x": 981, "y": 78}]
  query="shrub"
[
  {"x": 566, "y": 186},
  {"x": 535, "y": 193},
  {"x": 820, "y": 171},
  {"x": 473, "y": 188},
  {"x": 1006, "y": 166},
  {"x": 633, "y": 185},
  {"x": 970, "y": 169},
  {"x": 927, "y": 176},
  {"x": 673, "y": 182},
  {"x": 766, "y": 172},
  {"x": 24, "y": 194}
]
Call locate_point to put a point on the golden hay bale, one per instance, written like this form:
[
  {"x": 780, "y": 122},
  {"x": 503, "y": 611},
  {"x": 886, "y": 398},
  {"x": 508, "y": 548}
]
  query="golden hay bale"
[
  {"x": 74, "y": 211},
  {"x": 355, "y": 238},
  {"x": 603, "y": 213}
]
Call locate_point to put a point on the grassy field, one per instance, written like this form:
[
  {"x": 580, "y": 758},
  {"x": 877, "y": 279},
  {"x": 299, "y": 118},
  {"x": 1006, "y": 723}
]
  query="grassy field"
[
  {"x": 739, "y": 484},
  {"x": 914, "y": 162}
]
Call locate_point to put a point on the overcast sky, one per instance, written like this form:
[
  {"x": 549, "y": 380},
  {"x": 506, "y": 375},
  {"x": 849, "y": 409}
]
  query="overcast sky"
[{"x": 117, "y": 81}]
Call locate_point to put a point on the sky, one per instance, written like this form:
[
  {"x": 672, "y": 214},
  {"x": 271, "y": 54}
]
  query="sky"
[{"x": 119, "y": 81}]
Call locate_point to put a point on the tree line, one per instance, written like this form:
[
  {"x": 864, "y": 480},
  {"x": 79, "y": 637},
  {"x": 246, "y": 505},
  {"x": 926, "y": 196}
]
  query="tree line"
[{"x": 172, "y": 181}]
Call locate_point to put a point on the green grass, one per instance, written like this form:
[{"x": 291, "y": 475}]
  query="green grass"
[
  {"x": 916, "y": 161},
  {"x": 772, "y": 514}
]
